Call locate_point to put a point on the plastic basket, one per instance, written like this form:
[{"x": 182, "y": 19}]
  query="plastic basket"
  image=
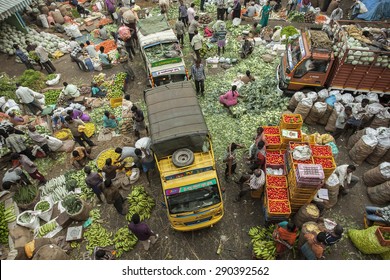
[
  {"x": 63, "y": 134},
  {"x": 277, "y": 202},
  {"x": 379, "y": 233},
  {"x": 116, "y": 102},
  {"x": 271, "y": 130},
  {"x": 289, "y": 125},
  {"x": 275, "y": 144},
  {"x": 269, "y": 181},
  {"x": 325, "y": 148},
  {"x": 327, "y": 171}
]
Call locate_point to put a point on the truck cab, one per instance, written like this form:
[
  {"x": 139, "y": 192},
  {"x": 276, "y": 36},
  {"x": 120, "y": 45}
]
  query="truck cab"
[
  {"x": 161, "y": 52},
  {"x": 184, "y": 157},
  {"x": 304, "y": 66}
]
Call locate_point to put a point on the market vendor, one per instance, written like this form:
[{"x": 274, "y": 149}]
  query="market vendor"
[
  {"x": 69, "y": 91},
  {"x": 112, "y": 194},
  {"x": 230, "y": 159},
  {"x": 358, "y": 114},
  {"x": 58, "y": 121},
  {"x": 346, "y": 179},
  {"x": 17, "y": 144},
  {"x": 255, "y": 30},
  {"x": 13, "y": 177},
  {"x": 250, "y": 11},
  {"x": 258, "y": 162},
  {"x": 103, "y": 33},
  {"x": 17, "y": 120},
  {"x": 78, "y": 114},
  {"x": 253, "y": 149},
  {"x": 341, "y": 121},
  {"x": 230, "y": 98},
  {"x": 334, "y": 236},
  {"x": 139, "y": 122},
  {"x": 39, "y": 139},
  {"x": 109, "y": 120},
  {"x": 28, "y": 166},
  {"x": 78, "y": 136},
  {"x": 254, "y": 182},
  {"x": 377, "y": 214},
  {"x": 110, "y": 170},
  {"x": 314, "y": 247},
  {"x": 94, "y": 181},
  {"x": 91, "y": 49},
  {"x": 284, "y": 235},
  {"x": 104, "y": 59},
  {"x": 96, "y": 91},
  {"x": 80, "y": 156},
  {"x": 27, "y": 97},
  {"x": 126, "y": 152},
  {"x": 247, "y": 78}
]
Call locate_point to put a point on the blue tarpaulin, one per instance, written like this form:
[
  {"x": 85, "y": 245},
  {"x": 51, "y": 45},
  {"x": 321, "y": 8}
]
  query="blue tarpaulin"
[{"x": 377, "y": 10}]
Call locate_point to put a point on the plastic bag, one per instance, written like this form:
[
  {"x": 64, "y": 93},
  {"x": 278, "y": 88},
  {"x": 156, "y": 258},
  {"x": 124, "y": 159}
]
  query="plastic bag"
[
  {"x": 374, "y": 108},
  {"x": 331, "y": 100},
  {"x": 307, "y": 102},
  {"x": 301, "y": 153},
  {"x": 73, "y": 31},
  {"x": 360, "y": 97},
  {"x": 333, "y": 180},
  {"x": 333, "y": 146},
  {"x": 236, "y": 22},
  {"x": 320, "y": 106},
  {"x": 298, "y": 96},
  {"x": 54, "y": 81},
  {"x": 370, "y": 140},
  {"x": 323, "y": 93},
  {"x": 347, "y": 98},
  {"x": 384, "y": 168},
  {"x": 371, "y": 131},
  {"x": 312, "y": 95},
  {"x": 54, "y": 143},
  {"x": 373, "y": 97}
]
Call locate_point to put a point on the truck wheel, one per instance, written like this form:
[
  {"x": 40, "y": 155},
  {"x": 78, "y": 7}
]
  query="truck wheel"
[{"x": 182, "y": 157}]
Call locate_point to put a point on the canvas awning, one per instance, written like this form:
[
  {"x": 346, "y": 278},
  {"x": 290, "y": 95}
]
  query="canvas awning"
[{"x": 8, "y": 8}]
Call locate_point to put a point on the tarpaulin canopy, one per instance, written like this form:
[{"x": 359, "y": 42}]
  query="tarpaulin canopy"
[
  {"x": 152, "y": 25},
  {"x": 377, "y": 10},
  {"x": 8, "y": 8}
]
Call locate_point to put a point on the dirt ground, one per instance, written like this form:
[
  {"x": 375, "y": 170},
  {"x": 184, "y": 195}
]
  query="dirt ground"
[{"x": 238, "y": 217}]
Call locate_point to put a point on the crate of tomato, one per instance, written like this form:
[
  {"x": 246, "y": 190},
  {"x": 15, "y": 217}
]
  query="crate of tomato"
[
  {"x": 321, "y": 151},
  {"x": 328, "y": 164},
  {"x": 277, "y": 193},
  {"x": 278, "y": 207},
  {"x": 276, "y": 181},
  {"x": 274, "y": 159},
  {"x": 273, "y": 141},
  {"x": 291, "y": 121},
  {"x": 271, "y": 130}
]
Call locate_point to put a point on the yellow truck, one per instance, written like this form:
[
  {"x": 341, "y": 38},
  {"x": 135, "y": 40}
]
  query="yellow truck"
[{"x": 184, "y": 157}]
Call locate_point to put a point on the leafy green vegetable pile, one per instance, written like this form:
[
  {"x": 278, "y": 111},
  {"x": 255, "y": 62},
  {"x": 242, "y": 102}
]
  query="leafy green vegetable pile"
[
  {"x": 3, "y": 226},
  {"x": 51, "y": 96},
  {"x": 7, "y": 86},
  {"x": 289, "y": 31},
  {"x": 32, "y": 79},
  {"x": 98, "y": 113}
]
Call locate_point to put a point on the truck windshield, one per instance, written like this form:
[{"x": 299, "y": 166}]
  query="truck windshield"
[
  {"x": 193, "y": 200},
  {"x": 294, "y": 53}
]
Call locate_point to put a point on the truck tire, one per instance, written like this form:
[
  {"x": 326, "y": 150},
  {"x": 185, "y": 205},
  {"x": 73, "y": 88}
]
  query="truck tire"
[{"x": 182, "y": 157}]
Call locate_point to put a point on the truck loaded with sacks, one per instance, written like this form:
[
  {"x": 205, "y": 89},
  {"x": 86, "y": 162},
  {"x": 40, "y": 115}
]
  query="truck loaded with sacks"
[
  {"x": 351, "y": 56},
  {"x": 184, "y": 157}
]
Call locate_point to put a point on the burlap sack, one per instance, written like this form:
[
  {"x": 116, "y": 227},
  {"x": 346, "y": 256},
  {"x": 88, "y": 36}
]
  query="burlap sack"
[
  {"x": 58, "y": 18},
  {"x": 292, "y": 104},
  {"x": 303, "y": 110},
  {"x": 331, "y": 123},
  {"x": 333, "y": 193},
  {"x": 307, "y": 228},
  {"x": 375, "y": 157},
  {"x": 307, "y": 213},
  {"x": 315, "y": 114},
  {"x": 355, "y": 137},
  {"x": 380, "y": 194},
  {"x": 50, "y": 252},
  {"x": 360, "y": 151},
  {"x": 373, "y": 177},
  {"x": 386, "y": 157},
  {"x": 379, "y": 122},
  {"x": 326, "y": 116}
]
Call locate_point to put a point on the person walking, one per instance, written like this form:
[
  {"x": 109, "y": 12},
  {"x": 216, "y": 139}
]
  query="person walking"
[
  {"x": 112, "y": 194},
  {"x": 23, "y": 57},
  {"x": 124, "y": 34},
  {"x": 191, "y": 13},
  {"x": 180, "y": 29},
  {"x": 198, "y": 74},
  {"x": 43, "y": 55},
  {"x": 78, "y": 136},
  {"x": 139, "y": 121},
  {"x": 236, "y": 9},
  {"x": 193, "y": 26},
  {"x": 230, "y": 159},
  {"x": 341, "y": 121},
  {"x": 142, "y": 232},
  {"x": 183, "y": 13},
  {"x": 27, "y": 96},
  {"x": 17, "y": 144},
  {"x": 221, "y": 7},
  {"x": 28, "y": 166},
  {"x": 197, "y": 44},
  {"x": 94, "y": 181},
  {"x": 265, "y": 11}
]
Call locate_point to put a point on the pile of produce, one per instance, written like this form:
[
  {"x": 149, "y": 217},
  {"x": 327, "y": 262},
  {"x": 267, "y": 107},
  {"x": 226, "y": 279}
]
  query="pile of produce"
[
  {"x": 89, "y": 129},
  {"x": 10, "y": 35},
  {"x": 309, "y": 17},
  {"x": 108, "y": 45},
  {"x": 7, "y": 86},
  {"x": 124, "y": 241},
  {"x": 262, "y": 241},
  {"x": 319, "y": 39},
  {"x": 98, "y": 113},
  {"x": 115, "y": 89},
  {"x": 295, "y": 16},
  {"x": 288, "y": 31},
  {"x": 205, "y": 19},
  {"x": 140, "y": 202},
  {"x": 79, "y": 177},
  {"x": 103, "y": 156},
  {"x": 9, "y": 214},
  {"x": 26, "y": 217},
  {"x": 96, "y": 235},
  {"x": 46, "y": 228},
  {"x": 26, "y": 194},
  {"x": 51, "y": 96},
  {"x": 367, "y": 241},
  {"x": 42, "y": 206},
  {"x": 55, "y": 188},
  {"x": 3, "y": 225},
  {"x": 72, "y": 204},
  {"x": 32, "y": 79},
  {"x": 100, "y": 78}
]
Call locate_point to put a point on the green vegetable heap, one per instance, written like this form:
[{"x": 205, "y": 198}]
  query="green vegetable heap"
[
  {"x": 124, "y": 241},
  {"x": 26, "y": 194},
  {"x": 263, "y": 244},
  {"x": 140, "y": 202},
  {"x": 51, "y": 96},
  {"x": 3, "y": 225}
]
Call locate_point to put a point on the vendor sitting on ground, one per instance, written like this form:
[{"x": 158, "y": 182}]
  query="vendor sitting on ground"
[
  {"x": 334, "y": 236},
  {"x": 255, "y": 31},
  {"x": 252, "y": 182},
  {"x": 377, "y": 214},
  {"x": 358, "y": 114},
  {"x": 109, "y": 120},
  {"x": 17, "y": 120},
  {"x": 103, "y": 32},
  {"x": 80, "y": 157},
  {"x": 97, "y": 91},
  {"x": 247, "y": 48},
  {"x": 250, "y": 11},
  {"x": 230, "y": 98},
  {"x": 106, "y": 63},
  {"x": 247, "y": 78},
  {"x": 78, "y": 114},
  {"x": 346, "y": 179},
  {"x": 70, "y": 91}
]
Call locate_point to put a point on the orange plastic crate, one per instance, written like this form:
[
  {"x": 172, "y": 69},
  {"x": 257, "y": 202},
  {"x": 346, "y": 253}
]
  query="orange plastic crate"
[
  {"x": 271, "y": 130},
  {"x": 273, "y": 141},
  {"x": 276, "y": 193},
  {"x": 323, "y": 161},
  {"x": 272, "y": 159},
  {"x": 321, "y": 151},
  {"x": 285, "y": 123},
  {"x": 276, "y": 181},
  {"x": 278, "y": 207}
]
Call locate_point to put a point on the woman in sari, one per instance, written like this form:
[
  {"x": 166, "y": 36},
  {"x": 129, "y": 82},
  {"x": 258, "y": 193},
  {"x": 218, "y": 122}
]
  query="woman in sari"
[{"x": 265, "y": 14}]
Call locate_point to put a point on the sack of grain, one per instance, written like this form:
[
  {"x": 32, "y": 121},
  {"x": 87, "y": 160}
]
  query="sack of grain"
[
  {"x": 57, "y": 17},
  {"x": 322, "y": 95},
  {"x": 355, "y": 137},
  {"x": 377, "y": 175},
  {"x": 326, "y": 116},
  {"x": 331, "y": 124},
  {"x": 295, "y": 99},
  {"x": 304, "y": 107},
  {"x": 380, "y": 194},
  {"x": 307, "y": 213},
  {"x": 382, "y": 119},
  {"x": 378, "y": 153},
  {"x": 316, "y": 113},
  {"x": 363, "y": 148},
  {"x": 333, "y": 187}
]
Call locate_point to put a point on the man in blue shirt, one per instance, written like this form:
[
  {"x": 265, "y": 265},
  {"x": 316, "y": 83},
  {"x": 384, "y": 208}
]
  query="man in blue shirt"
[
  {"x": 335, "y": 236},
  {"x": 23, "y": 57}
]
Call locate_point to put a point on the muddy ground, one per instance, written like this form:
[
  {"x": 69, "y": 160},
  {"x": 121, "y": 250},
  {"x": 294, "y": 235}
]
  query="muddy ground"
[{"x": 238, "y": 218}]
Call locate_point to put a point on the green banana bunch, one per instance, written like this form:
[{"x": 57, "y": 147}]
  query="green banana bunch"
[
  {"x": 3, "y": 226},
  {"x": 46, "y": 228},
  {"x": 263, "y": 245},
  {"x": 140, "y": 202},
  {"x": 97, "y": 236},
  {"x": 9, "y": 214},
  {"x": 94, "y": 214},
  {"x": 124, "y": 241}
]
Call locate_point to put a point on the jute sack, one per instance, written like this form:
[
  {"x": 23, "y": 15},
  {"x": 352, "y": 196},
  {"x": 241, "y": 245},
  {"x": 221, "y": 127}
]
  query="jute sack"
[
  {"x": 307, "y": 213},
  {"x": 363, "y": 148},
  {"x": 326, "y": 116},
  {"x": 316, "y": 113},
  {"x": 331, "y": 123},
  {"x": 50, "y": 252},
  {"x": 380, "y": 194},
  {"x": 295, "y": 99},
  {"x": 386, "y": 157},
  {"x": 333, "y": 187},
  {"x": 379, "y": 122},
  {"x": 374, "y": 177},
  {"x": 307, "y": 228},
  {"x": 375, "y": 157},
  {"x": 355, "y": 137},
  {"x": 303, "y": 109}
]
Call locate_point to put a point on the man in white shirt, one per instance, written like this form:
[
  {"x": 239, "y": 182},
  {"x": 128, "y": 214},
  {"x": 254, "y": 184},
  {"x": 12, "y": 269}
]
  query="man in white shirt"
[
  {"x": 191, "y": 13},
  {"x": 253, "y": 182},
  {"x": 70, "y": 91},
  {"x": 347, "y": 180},
  {"x": 197, "y": 44},
  {"x": 358, "y": 112},
  {"x": 14, "y": 176},
  {"x": 341, "y": 121},
  {"x": 27, "y": 97},
  {"x": 91, "y": 50}
]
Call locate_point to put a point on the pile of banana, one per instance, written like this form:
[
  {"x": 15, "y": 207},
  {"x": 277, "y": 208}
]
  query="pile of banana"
[
  {"x": 9, "y": 214},
  {"x": 97, "y": 236},
  {"x": 46, "y": 228},
  {"x": 262, "y": 242},
  {"x": 140, "y": 202},
  {"x": 124, "y": 241}
]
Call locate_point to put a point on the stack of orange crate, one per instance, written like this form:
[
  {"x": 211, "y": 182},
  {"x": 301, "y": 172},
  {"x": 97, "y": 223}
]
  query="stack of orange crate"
[
  {"x": 293, "y": 123},
  {"x": 276, "y": 199},
  {"x": 322, "y": 154},
  {"x": 272, "y": 136}
]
